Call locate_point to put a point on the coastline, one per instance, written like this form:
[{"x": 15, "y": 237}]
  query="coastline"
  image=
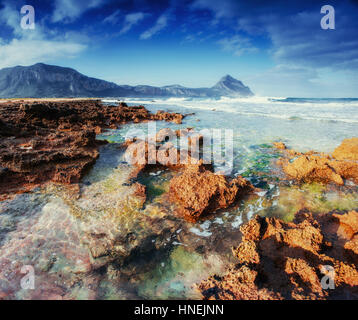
[{"x": 114, "y": 254}]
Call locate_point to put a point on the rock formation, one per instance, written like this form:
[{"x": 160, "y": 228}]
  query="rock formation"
[
  {"x": 196, "y": 190},
  {"x": 321, "y": 167},
  {"x": 199, "y": 191},
  {"x": 43, "y": 141},
  {"x": 278, "y": 260}
]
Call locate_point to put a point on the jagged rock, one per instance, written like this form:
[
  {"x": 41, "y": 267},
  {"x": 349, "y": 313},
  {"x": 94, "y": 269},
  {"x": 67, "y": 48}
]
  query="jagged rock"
[
  {"x": 198, "y": 191},
  {"x": 56, "y": 141},
  {"x": 314, "y": 167},
  {"x": 174, "y": 117},
  {"x": 142, "y": 154},
  {"x": 279, "y": 260}
]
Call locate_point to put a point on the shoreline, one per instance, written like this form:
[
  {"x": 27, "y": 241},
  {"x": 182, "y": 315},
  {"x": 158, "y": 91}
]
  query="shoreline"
[{"x": 191, "y": 186}]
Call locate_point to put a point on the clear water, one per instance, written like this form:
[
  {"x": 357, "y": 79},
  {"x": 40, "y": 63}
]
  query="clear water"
[{"x": 149, "y": 252}]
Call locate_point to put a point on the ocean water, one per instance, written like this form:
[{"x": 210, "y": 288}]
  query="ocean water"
[
  {"x": 149, "y": 252},
  {"x": 300, "y": 122}
]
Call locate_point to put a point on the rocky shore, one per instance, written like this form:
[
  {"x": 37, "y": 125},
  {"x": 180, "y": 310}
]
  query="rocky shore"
[
  {"x": 313, "y": 166},
  {"x": 113, "y": 231},
  {"x": 296, "y": 260},
  {"x": 278, "y": 260},
  {"x": 56, "y": 141}
]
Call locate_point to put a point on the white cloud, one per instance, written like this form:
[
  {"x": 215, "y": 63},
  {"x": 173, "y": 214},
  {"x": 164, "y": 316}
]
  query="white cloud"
[
  {"x": 31, "y": 46},
  {"x": 113, "y": 18},
  {"x": 28, "y": 52},
  {"x": 160, "y": 24},
  {"x": 238, "y": 45},
  {"x": 11, "y": 17},
  {"x": 69, "y": 10},
  {"x": 130, "y": 20},
  {"x": 220, "y": 9}
]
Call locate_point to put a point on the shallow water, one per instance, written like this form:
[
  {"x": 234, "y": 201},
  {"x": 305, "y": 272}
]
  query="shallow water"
[{"x": 99, "y": 243}]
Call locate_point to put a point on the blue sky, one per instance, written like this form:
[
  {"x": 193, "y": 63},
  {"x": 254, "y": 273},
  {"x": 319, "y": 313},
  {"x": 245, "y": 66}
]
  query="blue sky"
[{"x": 276, "y": 47}]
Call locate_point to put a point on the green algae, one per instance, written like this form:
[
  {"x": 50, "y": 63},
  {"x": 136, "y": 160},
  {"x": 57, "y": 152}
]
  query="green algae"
[
  {"x": 167, "y": 279},
  {"x": 315, "y": 197}
]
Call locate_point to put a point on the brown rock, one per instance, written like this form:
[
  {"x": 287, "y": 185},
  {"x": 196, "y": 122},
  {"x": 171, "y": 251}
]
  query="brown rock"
[
  {"x": 165, "y": 135},
  {"x": 139, "y": 192},
  {"x": 173, "y": 117},
  {"x": 97, "y": 129},
  {"x": 279, "y": 145},
  {"x": 198, "y": 191},
  {"x": 314, "y": 167},
  {"x": 279, "y": 260},
  {"x": 56, "y": 141},
  {"x": 348, "y": 150}
]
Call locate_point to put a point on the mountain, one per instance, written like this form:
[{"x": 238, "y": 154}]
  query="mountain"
[
  {"x": 47, "y": 81},
  {"x": 229, "y": 86}
]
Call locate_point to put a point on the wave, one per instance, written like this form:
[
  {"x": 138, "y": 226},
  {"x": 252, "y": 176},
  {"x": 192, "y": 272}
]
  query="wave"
[
  {"x": 290, "y": 109},
  {"x": 315, "y": 100}
]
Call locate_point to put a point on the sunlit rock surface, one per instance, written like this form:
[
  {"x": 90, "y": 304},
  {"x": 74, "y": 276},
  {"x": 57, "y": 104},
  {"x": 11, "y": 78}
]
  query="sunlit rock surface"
[{"x": 278, "y": 260}]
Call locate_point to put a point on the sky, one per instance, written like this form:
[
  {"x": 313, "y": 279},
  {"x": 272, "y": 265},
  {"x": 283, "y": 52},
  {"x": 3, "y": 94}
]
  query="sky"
[{"x": 277, "y": 48}]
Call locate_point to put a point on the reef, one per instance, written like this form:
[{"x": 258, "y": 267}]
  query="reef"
[
  {"x": 312, "y": 166},
  {"x": 56, "y": 141},
  {"x": 314, "y": 257}
]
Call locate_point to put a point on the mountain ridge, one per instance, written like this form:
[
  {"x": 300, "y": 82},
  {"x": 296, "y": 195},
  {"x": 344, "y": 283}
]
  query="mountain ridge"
[{"x": 49, "y": 81}]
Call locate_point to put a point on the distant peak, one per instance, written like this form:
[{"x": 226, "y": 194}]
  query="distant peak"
[
  {"x": 38, "y": 65},
  {"x": 228, "y": 78}
]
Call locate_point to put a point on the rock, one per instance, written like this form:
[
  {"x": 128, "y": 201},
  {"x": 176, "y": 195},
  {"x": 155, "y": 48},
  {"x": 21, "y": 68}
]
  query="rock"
[
  {"x": 198, "y": 191},
  {"x": 139, "y": 192},
  {"x": 164, "y": 135},
  {"x": 312, "y": 168},
  {"x": 320, "y": 167},
  {"x": 56, "y": 141},
  {"x": 143, "y": 154},
  {"x": 173, "y": 117},
  {"x": 279, "y": 260},
  {"x": 348, "y": 150},
  {"x": 97, "y": 129},
  {"x": 194, "y": 139},
  {"x": 279, "y": 145}
]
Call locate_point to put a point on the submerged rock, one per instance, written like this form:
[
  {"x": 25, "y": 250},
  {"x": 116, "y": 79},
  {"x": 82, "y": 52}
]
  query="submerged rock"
[{"x": 278, "y": 260}]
